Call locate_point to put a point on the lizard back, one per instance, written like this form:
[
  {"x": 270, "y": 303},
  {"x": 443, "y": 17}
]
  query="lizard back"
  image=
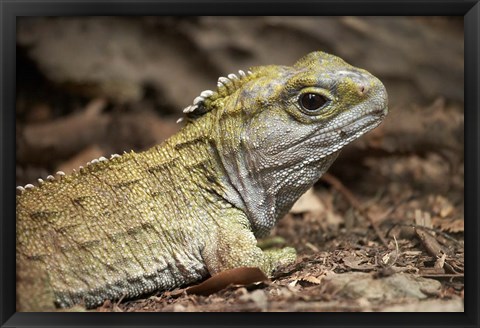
[{"x": 120, "y": 227}]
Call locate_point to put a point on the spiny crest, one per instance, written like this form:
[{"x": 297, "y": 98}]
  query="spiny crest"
[
  {"x": 225, "y": 86},
  {"x": 60, "y": 175}
]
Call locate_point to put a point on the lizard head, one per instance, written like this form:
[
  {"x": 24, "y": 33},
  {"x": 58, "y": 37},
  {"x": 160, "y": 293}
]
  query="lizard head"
[{"x": 278, "y": 128}]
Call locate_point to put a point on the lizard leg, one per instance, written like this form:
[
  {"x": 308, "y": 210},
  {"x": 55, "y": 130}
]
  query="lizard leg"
[
  {"x": 280, "y": 256},
  {"x": 233, "y": 245}
]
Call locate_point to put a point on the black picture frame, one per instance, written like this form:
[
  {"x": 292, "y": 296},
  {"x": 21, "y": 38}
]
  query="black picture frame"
[{"x": 10, "y": 10}]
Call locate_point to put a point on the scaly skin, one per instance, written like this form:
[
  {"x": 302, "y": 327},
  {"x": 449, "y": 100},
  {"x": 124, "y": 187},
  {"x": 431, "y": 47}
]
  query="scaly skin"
[{"x": 194, "y": 205}]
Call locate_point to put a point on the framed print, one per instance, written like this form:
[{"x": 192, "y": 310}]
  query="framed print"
[{"x": 233, "y": 164}]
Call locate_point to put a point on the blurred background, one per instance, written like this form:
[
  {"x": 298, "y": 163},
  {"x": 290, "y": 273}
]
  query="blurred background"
[
  {"x": 92, "y": 86},
  {"x": 107, "y": 84}
]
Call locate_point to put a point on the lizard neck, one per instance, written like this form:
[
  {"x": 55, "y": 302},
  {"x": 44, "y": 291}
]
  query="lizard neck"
[
  {"x": 267, "y": 193},
  {"x": 232, "y": 171}
]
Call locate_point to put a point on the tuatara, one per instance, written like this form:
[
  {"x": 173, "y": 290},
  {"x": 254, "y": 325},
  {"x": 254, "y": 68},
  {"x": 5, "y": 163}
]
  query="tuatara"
[{"x": 193, "y": 205}]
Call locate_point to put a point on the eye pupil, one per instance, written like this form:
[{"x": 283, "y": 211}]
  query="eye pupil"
[{"x": 312, "y": 101}]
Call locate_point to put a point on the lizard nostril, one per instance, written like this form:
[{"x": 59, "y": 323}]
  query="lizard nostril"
[{"x": 362, "y": 89}]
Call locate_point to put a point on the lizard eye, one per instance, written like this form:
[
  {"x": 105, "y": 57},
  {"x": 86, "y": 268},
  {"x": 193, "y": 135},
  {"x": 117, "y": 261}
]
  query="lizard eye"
[{"x": 312, "y": 102}]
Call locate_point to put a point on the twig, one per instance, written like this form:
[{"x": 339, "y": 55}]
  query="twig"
[
  {"x": 115, "y": 306},
  {"x": 442, "y": 275},
  {"x": 444, "y": 234},
  {"x": 338, "y": 185}
]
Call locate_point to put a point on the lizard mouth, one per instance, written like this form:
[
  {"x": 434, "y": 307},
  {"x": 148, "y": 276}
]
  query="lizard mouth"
[
  {"x": 364, "y": 123},
  {"x": 336, "y": 137},
  {"x": 370, "y": 119},
  {"x": 349, "y": 131}
]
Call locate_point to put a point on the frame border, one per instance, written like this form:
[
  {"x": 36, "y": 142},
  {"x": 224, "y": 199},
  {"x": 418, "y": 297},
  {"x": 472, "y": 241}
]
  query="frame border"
[{"x": 10, "y": 9}]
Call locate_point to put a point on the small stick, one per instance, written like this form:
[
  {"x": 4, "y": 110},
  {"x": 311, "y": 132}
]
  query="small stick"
[
  {"x": 442, "y": 275},
  {"x": 440, "y": 232}
]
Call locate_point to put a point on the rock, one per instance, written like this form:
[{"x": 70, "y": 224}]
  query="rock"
[{"x": 356, "y": 285}]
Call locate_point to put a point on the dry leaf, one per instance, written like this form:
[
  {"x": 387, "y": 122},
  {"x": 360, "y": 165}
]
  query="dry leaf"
[
  {"x": 451, "y": 225},
  {"x": 441, "y": 206},
  {"x": 237, "y": 276}
]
